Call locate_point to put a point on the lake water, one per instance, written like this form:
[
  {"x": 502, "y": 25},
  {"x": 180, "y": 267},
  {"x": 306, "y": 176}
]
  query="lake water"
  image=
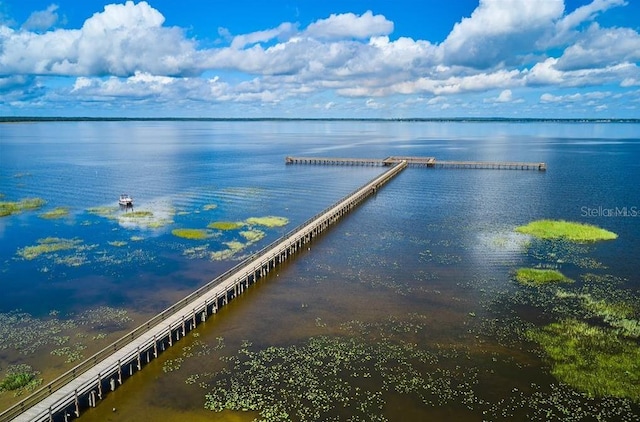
[{"x": 405, "y": 310}]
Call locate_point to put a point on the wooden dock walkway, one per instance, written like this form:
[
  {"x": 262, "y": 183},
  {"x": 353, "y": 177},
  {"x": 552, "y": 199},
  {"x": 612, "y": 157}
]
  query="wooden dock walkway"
[
  {"x": 421, "y": 161},
  {"x": 87, "y": 383}
]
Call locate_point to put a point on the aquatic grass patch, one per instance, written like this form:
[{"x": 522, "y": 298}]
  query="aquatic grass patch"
[
  {"x": 617, "y": 314},
  {"x": 191, "y": 234},
  {"x": 117, "y": 243},
  {"x": 268, "y": 221},
  {"x": 592, "y": 359},
  {"x": 48, "y": 245},
  {"x": 59, "y": 212},
  {"x": 209, "y": 207},
  {"x": 225, "y": 225},
  {"x": 20, "y": 378},
  {"x": 15, "y": 207},
  {"x": 540, "y": 276},
  {"x": 104, "y": 211},
  {"x": 561, "y": 229}
]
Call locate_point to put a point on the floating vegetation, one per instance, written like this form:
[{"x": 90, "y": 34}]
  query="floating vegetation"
[
  {"x": 27, "y": 204},
  {"x": 560, "y": 229},
  {"x": 617, "y": 314},
  {"x": 197, "y": 252},
  {"x": 59, "y": 212},
  {"x": 71, "y": 354},
  {"x": 47, "y": 246},
  {"x": 103, "y": 316},
  {"x": 233, "y": 248},
  {"x": 158, "y": 214},
  {"x": 591, "y": 359},
  {"x": 539, "y": 276},
  {"x": 20, "y": 379},
  {"x": 197, "y": 348},
  {"x": 192, "y": 234},
  {"x": 225, "y": 225},
  {"x": 331, "y": 376},
  {"x": 136, "y": 238},
  {"x": 210, "y": 207},
  {"x": 268, "y": 221},
  {"x": 25, "y": 334},
  {"x": 171, "y": 365},
  {"x": 136, "y": 214},
  {"x": 118, "y": 243},
  {"x": 253, "y": 236},
  {"x": 105, "y": 211}
]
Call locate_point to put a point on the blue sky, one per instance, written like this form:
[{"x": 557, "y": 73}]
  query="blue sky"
[{"x": 348, "y": 58}]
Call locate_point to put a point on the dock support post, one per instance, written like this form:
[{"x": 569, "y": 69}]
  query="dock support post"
[
  {"x": 100, "y": 386},
  {"x": 119, "y": 372},
  {"x": 77, "y": 412},
  {"x": 139, "y": 359},
  {"x": 155, "y": 346}
]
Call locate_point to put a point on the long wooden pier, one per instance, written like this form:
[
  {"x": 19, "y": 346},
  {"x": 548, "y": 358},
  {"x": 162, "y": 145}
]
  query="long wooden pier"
[
  {"x": 420, "y": 161},
  {"x": 87, "y": 383}
]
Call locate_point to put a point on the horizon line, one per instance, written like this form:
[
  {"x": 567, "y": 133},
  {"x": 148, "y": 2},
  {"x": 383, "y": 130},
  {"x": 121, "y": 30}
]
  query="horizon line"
[{"x": 17, "y": 119}]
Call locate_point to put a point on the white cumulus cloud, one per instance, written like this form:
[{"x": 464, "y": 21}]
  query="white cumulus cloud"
[
  {"x": 349, "y": 25},
  {"x": 42, "y": 20},
  {"x": 498, "y": 29}
]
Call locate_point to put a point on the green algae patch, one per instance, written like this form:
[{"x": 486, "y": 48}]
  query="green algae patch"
[
  {"x": 252, "y": 236},
  {"x": 268, "y": 221},
  {"x": 106, "y": 211},
  {"x": 210, "y": 207},
  {"x": 15, "y": 207},
  {"x": 192, "y": 234},
  {"x": 117, "y": 243},
  {"x": 539, "y": 276},
  {"x": 591, "y": 359},
  {"x": 137, "y": 214},
  {"x": 225, "y": 225},
  {"x": 145, "y": 219},
  {"x": 48, "y": 245},
  {"x": 560, "y": 229},
  {"x": 59, "y": 212},
  {"x": 233, "y": 248}
]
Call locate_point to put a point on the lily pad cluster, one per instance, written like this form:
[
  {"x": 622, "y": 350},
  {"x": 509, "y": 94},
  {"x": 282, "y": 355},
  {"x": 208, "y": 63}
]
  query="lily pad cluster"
[
  {"x": 328, "y": 378},
  {"x": 22, "y": 332}
]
